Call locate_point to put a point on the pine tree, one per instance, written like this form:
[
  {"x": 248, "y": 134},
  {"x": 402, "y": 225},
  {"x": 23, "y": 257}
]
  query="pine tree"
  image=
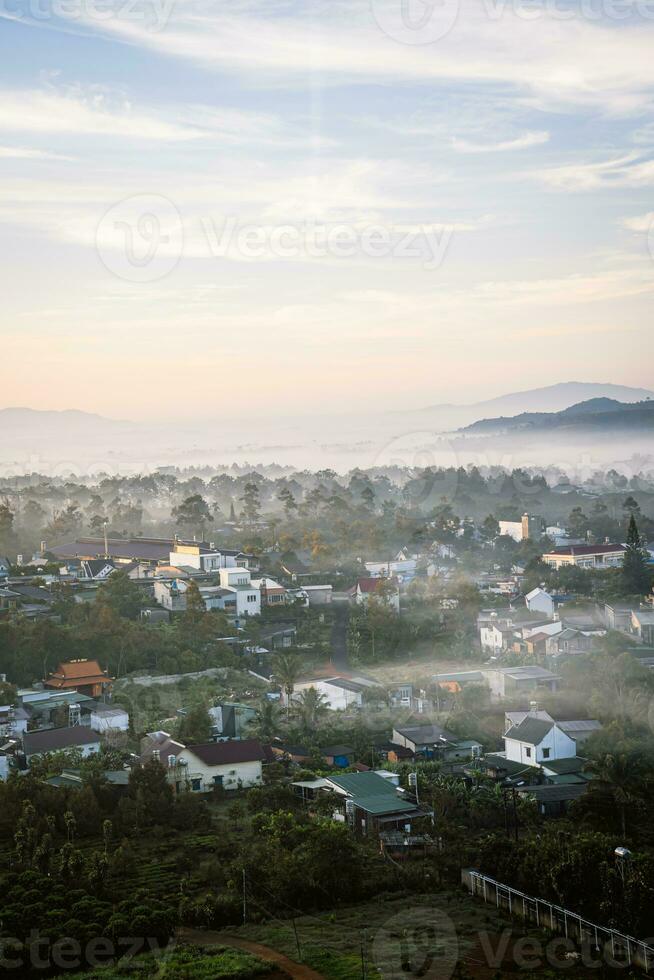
[{"x": 636, "y": 577}]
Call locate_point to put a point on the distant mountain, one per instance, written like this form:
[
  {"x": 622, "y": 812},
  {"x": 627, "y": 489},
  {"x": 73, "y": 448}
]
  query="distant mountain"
[
  {"x": 554, "y": 398},
  {"x": 598, "y": 414}
]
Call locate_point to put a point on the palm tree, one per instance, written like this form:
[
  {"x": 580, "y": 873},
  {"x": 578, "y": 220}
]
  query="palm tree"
[
  {"x": 265, "y": 723},
  {"x": 286, "y": 670},
  {"x": 311, "y": 708},
  {"x": 625, "y": 775}
]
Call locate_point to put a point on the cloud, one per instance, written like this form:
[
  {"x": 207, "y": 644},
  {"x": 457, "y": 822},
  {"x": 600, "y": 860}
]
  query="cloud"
[
  {"x": 533, "y": 138},
  {"x": 629, "y": 170},
  {"x": 26, "y": 153},
  {"x": 553, "y": 63},
  {"x": 52, "y": 112},
  {"x": 643, "y": 223}
]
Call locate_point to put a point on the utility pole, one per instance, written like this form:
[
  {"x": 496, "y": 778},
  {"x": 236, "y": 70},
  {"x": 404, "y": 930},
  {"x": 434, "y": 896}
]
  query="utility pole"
[
  {"x": 297, "y": 940},
  {"x": 106, "y": 543},
  {"x": 245, "y": 907}
]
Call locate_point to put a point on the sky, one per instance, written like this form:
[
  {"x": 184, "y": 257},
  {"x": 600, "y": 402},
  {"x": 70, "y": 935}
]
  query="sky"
[{"x": 208, "y": 206}]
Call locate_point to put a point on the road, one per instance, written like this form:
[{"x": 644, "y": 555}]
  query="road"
[
  {"x": 205, "y": 937},
  {"x": 341, "y": 612}
]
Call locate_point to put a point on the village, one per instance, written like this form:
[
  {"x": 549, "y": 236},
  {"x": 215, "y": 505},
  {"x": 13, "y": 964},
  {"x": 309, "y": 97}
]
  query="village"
[{"x": 371, "y": 693}]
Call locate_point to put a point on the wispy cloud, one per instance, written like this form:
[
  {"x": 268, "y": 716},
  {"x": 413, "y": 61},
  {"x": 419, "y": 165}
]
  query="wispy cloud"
[
  {"x": 630, "y": 170},
  {"x": 533, "y": 138},
  {"x": 27, "y": 153}
]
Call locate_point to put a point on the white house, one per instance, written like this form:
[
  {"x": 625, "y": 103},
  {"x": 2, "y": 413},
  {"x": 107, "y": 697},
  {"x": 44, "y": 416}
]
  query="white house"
[
  {"x": 272, "y": 593},
  {"x": 171, "y": 594},
  {"x": 509, "y": 682},
  {"x": 496, "y": 636},
  {"x": 61, "y": 740},
  {"x": 340, "y": 692},
  {"x": 586, "y": 556},
  {"x": 536, "y": 741},
  {"x": 540, "y": 601},
  {"x": 382, "y": 590},
  {"x": 105, "y": 718},
  {"x": 318, "y": 595},
  {"x": 206, "y": 558},
  {"x": 228, "y": 765},
  {"x": 403, "y": 569}
]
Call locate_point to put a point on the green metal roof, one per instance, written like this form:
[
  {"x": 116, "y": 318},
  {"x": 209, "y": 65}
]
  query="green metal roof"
[
  {"x": 364, "y": 785},
  {"x": 561, "y": 766},
  {"x": 384, "y": 804}
]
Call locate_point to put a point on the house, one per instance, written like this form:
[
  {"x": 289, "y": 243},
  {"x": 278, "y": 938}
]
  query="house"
[
  {"x": 318, "y": 595},
  {"x": 272, "y": 593},
  {"x": 434, "y": 742},
  {"x": 617, "y": 616},
  {"x": 152, "y": 551},
  {"x": 540, "y": 601},
  {"x": 578, "y": 729},
  {"x": 369, "y": 802},
  {"x": 228, "y": 765},
  {"x": 160, "y": 747},
  {"x": 299, "y": 754},
  {"x": 383, "y": 590},
  {"x": 404, "y": 569},
  {"x": 171, "y": 594},
  {"x": 509, "y": 682},
  {"x": 13, "y": 720},
  {"x": 553, "y": 801},
  {"x": 535, "y": 740},
  {"x": 74, "y": 779},
  {"x": 529, "y": 527},
  {"x": 339, "y": 756},
  {"x": 496, "y": 636},
  {"x": 568, "y": 642},
  {"x": 642, "y": 625},
  {"x": 60, "y": 740},
  {"x": 390, "y": 752},
  {"x": 340, "y": 692},
  {"x": 4, "y": 766},
  {"x": 108, "y": 719},
  {"x": 455, "y": 681},
  {"x": 84, "y": 676},
  {"x": 230, "y": 719},
  {"x": 95, "y": 569},
  {"x": 597, "y": 556}
]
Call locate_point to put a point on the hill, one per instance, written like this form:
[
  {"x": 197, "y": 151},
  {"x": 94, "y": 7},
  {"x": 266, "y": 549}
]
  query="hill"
[{"x": 598, "y": 414}]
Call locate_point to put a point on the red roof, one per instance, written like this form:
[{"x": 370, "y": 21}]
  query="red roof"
[
  {"x": 74, "y": 672},
  {"x": 588, "y": 549}
]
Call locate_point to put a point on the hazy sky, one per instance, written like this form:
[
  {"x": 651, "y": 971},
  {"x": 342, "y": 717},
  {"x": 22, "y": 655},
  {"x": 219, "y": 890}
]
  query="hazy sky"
[{"x": 307, "y": 206}]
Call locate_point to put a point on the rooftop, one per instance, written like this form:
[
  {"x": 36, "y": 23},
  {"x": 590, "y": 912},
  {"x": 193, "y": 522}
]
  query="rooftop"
[
  {"x": 227, "y": 753},
  {"x": 55, "y": 739}
]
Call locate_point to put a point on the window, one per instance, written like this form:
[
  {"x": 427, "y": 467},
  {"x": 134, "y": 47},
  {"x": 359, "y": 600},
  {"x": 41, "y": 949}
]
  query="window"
[
  {"x": 546, "y": 753},
  {"x": 196, "y": 785},
  {"x": 217, "y": 780},
  {"x": 528, "y": 753}
]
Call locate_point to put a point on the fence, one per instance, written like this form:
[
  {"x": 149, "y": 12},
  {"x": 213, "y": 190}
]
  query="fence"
[{"x": 623, "y": 949}]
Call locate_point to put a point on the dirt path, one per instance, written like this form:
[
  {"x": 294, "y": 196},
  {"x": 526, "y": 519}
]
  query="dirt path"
[{"x": 203, "y": 937}]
